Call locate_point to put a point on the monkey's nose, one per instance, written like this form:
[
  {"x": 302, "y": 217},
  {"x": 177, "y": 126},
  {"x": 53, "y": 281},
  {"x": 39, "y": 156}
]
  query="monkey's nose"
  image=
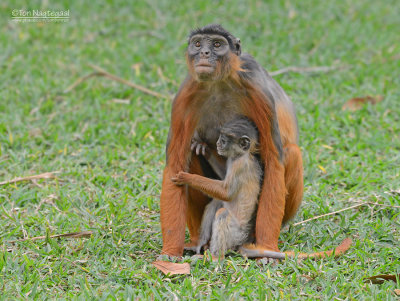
[{"x": 205, "y": 53}]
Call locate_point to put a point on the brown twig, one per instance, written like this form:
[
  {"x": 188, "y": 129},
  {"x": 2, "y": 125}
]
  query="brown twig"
[
  {"x": 69, "y": 235},
  {"x": 344, "y": 209},
  {"x": 101, "y": 72},
  {"x": 81, "y": 80},
  {"x": 46, "y": 175},
  {"x": 303, "y": 70}
]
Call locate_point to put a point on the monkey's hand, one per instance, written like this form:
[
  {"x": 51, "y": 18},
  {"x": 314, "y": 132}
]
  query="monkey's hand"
[
  {"x": 180, "y": 178},
  {"x": 199, "y": 147}
]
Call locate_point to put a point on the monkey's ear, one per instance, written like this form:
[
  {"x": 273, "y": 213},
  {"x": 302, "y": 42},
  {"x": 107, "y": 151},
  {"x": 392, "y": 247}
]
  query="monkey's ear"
[
  {"x": 238, "y": 47},
  {"x": 244, "y": 142}
]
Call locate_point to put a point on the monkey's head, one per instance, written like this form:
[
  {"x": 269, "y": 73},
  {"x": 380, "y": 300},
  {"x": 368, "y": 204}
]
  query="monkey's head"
[
  {"x": 212, "y": 52},
  {"x": 238, "y": 137}
]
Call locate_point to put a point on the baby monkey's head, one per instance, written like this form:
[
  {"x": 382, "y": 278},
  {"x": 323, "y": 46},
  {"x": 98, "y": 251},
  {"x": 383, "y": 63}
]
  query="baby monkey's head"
[{"x": 237, "y": 137}]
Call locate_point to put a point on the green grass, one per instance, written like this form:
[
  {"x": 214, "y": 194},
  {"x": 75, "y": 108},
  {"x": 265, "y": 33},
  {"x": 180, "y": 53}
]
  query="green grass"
[{"x": 111, "y": 155}]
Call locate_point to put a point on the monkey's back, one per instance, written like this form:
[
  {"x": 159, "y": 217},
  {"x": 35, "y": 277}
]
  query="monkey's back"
[{"x": 243, "y": 183}]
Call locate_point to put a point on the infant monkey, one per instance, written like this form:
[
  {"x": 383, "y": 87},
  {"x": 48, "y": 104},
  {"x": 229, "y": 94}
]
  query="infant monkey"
[{"x": 227, "y": 219}]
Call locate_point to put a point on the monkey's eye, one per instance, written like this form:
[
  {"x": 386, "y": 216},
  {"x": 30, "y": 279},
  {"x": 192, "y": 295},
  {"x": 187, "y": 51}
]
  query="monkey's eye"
[
  {"x": 197, "y": 44},
  {"x": 217, "y": 44}
]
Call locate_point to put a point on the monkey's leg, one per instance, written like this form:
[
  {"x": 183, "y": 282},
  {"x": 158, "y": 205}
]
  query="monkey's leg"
[
  {"x": 197, "y": 201},
  {"x": 293, "y": 180},
  {"x": 226, "y": 233},
  {"x": 220, "y": 231},
  {"x": 207, "y": 223},
  {"x": 173, "y": 207}
]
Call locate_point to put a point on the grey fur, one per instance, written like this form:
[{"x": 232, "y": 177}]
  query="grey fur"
[{"x": 232, "y": 227}]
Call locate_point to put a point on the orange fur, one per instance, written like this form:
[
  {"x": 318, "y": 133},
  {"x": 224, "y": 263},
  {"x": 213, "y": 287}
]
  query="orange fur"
[
  {"x": 287, "y": 125},
  {"x": 293, "y": 180},
  {"x": 189, "y": 64},
  {"x": 220, "y": 211},
  {"x": 177, "y": 206},
  {"x": 173, "y": 199},
  {"x": 251, "y": 251},
  {"x": 183, "y": 121},
  {"x": 214, "y": 188},
  {"x": 272, "y": 198},
  {"x": 197, "y": 201}
]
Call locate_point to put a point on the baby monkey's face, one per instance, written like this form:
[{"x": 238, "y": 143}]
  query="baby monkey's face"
[{"x": 231, "y": 146}]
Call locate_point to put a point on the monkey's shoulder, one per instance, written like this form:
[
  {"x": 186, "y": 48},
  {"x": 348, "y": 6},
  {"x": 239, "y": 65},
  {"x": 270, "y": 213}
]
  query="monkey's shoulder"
[
  {"x": 245, "y": 167},
  {"x": 243, "y": 178},
  {"x": 249, "y": 63}
]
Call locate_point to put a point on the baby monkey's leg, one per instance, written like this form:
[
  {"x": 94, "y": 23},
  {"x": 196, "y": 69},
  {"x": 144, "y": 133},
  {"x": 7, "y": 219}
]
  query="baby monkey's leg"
[
  {"x": 226, "y": 233},
  {"x": 207, "y": 223}
]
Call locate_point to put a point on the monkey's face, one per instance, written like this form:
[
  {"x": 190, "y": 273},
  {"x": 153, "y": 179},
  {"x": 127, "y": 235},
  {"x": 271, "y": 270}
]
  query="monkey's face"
[
  {"x": 208, "y": 56},
  {"x": 231, "y": 146}
]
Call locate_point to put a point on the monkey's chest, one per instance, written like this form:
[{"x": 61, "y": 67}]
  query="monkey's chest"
[{"x": 215, "y": 112}]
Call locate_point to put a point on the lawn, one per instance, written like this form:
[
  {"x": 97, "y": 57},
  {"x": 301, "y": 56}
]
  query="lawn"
[{"x": 107, "y": 140}]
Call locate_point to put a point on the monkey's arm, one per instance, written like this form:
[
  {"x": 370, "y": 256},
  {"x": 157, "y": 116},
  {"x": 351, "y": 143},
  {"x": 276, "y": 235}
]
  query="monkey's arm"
[
  {"x": 214, "y": 188},
  {"x": 218, "y": 164},
  {"x": 174, "y": 206}
]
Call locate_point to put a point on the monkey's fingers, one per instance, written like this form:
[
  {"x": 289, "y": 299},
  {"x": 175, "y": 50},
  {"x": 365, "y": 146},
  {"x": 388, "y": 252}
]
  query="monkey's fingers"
[
  {"x": 267, "y": 261},
  {"x": 198, "y": 148},
  {"x": 165, "y": 257},
  {"x": 197, "y": 250},
  {"x": 204, "y": 148},
  {"x": 177, "y": 181}
]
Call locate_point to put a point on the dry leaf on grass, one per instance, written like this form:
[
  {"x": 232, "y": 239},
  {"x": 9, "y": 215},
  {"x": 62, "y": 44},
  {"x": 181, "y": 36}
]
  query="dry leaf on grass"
[
  {"x": 121, "y": 101},
  {"x": 397, "y": 291},
  {"x": 46, "y": 175},
  {"x": 172, "y": 268},
  {"x": 357, "y": 103},
  {"x": 379, "y": 279}
]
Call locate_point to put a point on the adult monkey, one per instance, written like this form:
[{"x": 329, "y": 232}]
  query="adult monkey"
[{"x": 223, "y": 83}]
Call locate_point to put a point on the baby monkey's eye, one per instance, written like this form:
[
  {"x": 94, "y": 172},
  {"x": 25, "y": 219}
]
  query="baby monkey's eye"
[
  {"x": 197, "y": 44},
  {"x": 217, "y": 44}
]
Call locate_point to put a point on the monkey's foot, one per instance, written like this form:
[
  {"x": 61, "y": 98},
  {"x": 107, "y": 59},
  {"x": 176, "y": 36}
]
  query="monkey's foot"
[
  {"x": 266, "y": 261},
  {"x": 197, "y": 257},
  {"x": 165, "y": 257},
  {"x": 207, "y": 256},
  {"x": 191, "y": 246}
]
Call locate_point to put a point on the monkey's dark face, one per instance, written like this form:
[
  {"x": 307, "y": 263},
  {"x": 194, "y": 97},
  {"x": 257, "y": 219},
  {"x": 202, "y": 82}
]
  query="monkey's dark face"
[
  {"x": 231, "y": 146},
  {"x": 208, "y": 54}
]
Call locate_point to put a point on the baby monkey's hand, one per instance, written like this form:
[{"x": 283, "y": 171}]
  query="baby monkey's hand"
[{"x": 180, "y": 178}]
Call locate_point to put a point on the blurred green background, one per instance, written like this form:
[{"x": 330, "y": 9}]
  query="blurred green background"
[{"x": 108, "y": 142}]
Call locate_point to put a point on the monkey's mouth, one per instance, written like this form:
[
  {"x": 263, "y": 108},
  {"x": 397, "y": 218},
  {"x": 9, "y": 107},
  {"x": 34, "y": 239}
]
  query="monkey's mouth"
[{"x": 204, "y": 67}]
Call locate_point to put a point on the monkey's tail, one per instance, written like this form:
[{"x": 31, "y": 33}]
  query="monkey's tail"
[{"x": 251, "y": 251}]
